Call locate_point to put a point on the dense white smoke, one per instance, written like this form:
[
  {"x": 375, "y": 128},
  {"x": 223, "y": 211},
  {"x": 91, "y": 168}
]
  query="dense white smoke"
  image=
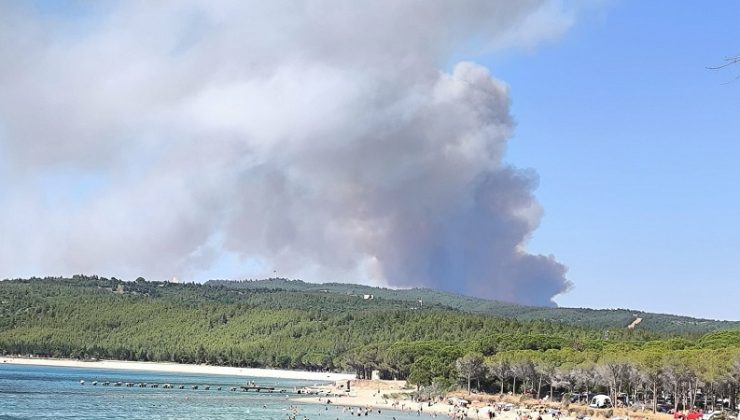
[{"x": 332, "y": 140}]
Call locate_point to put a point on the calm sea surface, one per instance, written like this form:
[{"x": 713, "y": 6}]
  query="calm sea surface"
[{"x": 39, "y": 392}]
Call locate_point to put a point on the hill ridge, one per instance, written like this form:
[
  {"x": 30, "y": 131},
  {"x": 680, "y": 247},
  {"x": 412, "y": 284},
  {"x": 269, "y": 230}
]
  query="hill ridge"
[{"x": 585, "y": 317}]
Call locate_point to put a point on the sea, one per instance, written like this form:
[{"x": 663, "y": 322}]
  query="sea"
[{"x": 42, "y": 392}]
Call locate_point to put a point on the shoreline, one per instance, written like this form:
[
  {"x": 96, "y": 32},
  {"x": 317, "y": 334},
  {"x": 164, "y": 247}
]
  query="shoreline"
[
  {"x": 395, "y": 396},
  {"x": 358, "y": 402},
  {"x": 369, "y": 394},
  {"x": 180, "y": 368}
]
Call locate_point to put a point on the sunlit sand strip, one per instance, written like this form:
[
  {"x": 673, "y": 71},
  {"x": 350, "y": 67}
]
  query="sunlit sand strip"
[{"x": 181, "y": 368}]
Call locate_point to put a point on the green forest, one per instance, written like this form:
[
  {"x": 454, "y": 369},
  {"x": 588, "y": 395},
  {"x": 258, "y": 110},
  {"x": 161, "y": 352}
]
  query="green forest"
[
  {"x": 434, "y": 344},
  {"x": 584, "y": 317}
]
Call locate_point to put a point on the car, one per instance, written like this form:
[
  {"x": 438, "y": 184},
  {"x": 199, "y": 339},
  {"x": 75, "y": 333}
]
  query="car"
[
  {"x": 718, "y": 415},
  {"x": 581, "y": 396},
  {"x": 601, "y": 401}
]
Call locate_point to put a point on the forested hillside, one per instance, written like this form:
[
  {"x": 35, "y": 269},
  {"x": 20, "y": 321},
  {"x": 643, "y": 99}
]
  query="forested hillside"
[
  {"x": 141, "y": 320},
  {"x": 91, "y": 317},
  {"x": 589, "y": 318}
]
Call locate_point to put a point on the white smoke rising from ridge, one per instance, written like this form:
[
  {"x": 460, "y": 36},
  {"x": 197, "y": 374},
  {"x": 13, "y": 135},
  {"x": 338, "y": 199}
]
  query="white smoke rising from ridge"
[{"x": 321, "y": 138}]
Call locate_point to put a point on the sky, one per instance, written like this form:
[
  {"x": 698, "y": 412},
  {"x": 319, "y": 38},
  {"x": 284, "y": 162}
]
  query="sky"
[
  {"x": 636, "y": 146},
  {"x": 545, "y": 152}
]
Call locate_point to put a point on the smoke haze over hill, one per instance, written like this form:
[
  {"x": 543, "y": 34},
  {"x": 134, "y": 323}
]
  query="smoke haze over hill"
[{"x": 338, "y": 144}]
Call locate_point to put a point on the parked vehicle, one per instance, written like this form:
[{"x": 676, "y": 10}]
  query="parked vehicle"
[
  {"x": 718, "y": 415},
  {"x": 581, "y": 397},
  {"x": 601, "y": 401}
]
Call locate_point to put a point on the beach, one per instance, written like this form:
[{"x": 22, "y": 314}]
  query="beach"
[
  {"x": 53, "y": 392},
  {"x": 391, "y": 395},
  {"x": 395, "y": 395},
  {"x": 374, "y": 397},
  {"x": 180, "y": 368}
]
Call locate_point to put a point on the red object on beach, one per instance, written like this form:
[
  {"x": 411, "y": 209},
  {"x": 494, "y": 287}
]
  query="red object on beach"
[{"x": 693, "y": 415}]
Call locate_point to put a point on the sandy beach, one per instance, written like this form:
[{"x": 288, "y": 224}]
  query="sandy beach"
[
  {"x": 181, "y": 368},
  {"x": 367, "y": 399},
  {"x": 393, "y": 395},
  {"x": 390, "y": 395},
  {"x": 364, "y": 394}
]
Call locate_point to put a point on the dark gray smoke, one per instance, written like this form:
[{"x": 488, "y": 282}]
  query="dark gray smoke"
[{"x": 325, "y": 140}]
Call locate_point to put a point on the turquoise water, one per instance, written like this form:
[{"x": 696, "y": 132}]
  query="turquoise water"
[{"x": 40, "y": 392}]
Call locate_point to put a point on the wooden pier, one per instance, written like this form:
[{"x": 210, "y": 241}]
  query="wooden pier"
[
  {"x": 247, "y": 388},
  {"x": 244, "y": 388}
]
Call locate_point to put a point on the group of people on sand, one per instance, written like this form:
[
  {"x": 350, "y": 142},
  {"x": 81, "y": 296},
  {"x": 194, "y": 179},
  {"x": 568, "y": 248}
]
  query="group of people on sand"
[
  {"x": 352, "y": 411},
  {"x": 456, "y": 410}
]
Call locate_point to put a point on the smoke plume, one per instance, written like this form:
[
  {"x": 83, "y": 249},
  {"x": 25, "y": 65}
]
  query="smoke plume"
[{"x": 331, "y": 141}]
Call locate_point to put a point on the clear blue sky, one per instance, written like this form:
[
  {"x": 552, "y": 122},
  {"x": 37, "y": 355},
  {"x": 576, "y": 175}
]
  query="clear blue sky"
[{"x": 637, "y": 145}]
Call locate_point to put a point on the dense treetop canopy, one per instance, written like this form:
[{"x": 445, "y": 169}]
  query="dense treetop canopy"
[{"x": 421, "y": 335}]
